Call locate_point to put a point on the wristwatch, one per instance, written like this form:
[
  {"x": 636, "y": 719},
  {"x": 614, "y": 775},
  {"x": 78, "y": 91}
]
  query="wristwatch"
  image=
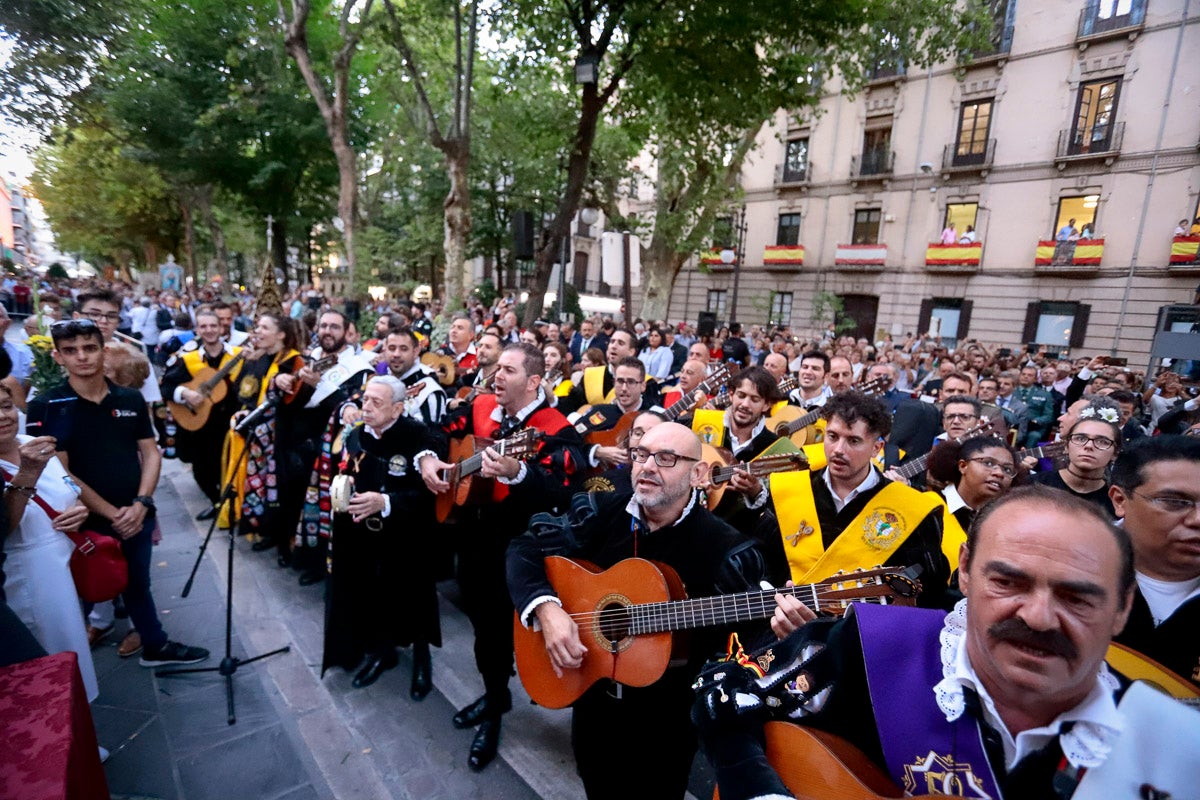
[{"x": 145, "y": 500}]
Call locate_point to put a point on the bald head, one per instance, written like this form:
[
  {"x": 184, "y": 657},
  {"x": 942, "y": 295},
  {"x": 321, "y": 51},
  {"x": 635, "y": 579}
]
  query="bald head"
[
  {"x": 776, "y": 364},
  {"x": 673, "y": 437},
  {"x": 691, "y": 374}
]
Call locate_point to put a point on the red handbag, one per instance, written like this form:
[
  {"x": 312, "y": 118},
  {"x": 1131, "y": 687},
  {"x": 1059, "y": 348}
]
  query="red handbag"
[{"x": 97, "y": 564}]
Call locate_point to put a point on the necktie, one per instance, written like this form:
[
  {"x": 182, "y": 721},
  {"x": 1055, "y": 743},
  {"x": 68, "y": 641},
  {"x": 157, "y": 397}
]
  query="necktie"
[{"x": 507, "y": 426}]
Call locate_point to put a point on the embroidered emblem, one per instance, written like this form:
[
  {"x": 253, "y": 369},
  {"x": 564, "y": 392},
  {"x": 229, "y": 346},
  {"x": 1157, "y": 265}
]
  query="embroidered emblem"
[
  {"x": 935, "y": 774},
  {"x": 596, "y": 419},
  {"x": 883, "y": 528},
  {"x": 337, "y": 374},
  {"x": 397, "y": 466},
  {"x": 248, "y": 387},
  {"x": 800, "y": 685},
  {"x": 707, "y": 433},
  {"x": 804, "y": 530},
  {"x": 764, "y": 661},
  {"x": 598, "y": 483}
]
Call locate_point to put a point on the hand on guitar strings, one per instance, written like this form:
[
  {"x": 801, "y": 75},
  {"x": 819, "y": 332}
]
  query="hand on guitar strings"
[
  {"x": 745, "y": 483},
  {"x": 364, "y": 504},
  {"x": 561, "y": 635},
  {"x": 612, "y": 456},
  {"x": 790, "y": 614},
  {"x": 498, "y": 466},
  {"x": 432, "y": 469}
]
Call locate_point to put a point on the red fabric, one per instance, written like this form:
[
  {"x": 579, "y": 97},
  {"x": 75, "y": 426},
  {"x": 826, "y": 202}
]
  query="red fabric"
[
  {"x": 548, "y": 420},
  {"x": 47, "y": 743}
]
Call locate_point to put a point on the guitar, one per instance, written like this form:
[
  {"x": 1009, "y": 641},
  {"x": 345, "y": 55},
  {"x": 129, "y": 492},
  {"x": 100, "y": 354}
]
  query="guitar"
[
  {"x": 442, "y": 365},
  {"x": 815, "y": 765},
  {"x": 917, "y": 465},
  {"x": 467, "y": 456},
  {"x": 721, "y": 473},
  {"x": 793, "y": 423},
  {"x": 210, "y": 383},
  {"x": 627, "y": 613},
  {"x": 468, "y": 393},
  {"x": 618, "y": 435}
]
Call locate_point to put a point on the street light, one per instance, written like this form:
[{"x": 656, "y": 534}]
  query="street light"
[
  {"x": 734, "y": 256},
  {"x": 587, "y": 216},
  {"x": 587, "y": 68}
]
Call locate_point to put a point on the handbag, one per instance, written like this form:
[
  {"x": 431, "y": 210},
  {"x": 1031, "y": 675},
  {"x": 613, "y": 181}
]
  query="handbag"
[{"x": 97, "y": 564}]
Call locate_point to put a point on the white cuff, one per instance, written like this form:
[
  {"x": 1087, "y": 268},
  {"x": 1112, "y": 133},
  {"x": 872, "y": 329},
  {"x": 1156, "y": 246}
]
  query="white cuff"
[
  {"x": 591, "y": 456},
  {"x": 1193, "y": 404},
  {"x": 520, "y": 476},
  {"x": 1085, "y": 374},
  {"x": 177, "y": 395},
  {"x": 527, "y": 617},
  {"x": 417, "y": 458},
  {"x": 387, "y": 506},
  {"x": 761, "y": 500}
]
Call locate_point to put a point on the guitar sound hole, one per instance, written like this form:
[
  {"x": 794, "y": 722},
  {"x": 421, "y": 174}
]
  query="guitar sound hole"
[{"x": 614, "y": 623}]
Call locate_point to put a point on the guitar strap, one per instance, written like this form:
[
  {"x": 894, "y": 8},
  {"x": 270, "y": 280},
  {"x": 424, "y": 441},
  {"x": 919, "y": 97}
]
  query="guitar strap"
[
  {"x": 709, "y": 425},
  {"x": 593, "y": 386},
  {"x": 949, "y": 757},
  {"x": 195, "y": 360},
  {"x": 953, "y": 537},
  {"x": 869, "y": 539}
]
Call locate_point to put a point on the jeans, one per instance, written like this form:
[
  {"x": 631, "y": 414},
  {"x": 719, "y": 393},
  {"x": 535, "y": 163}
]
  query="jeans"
[{"x": 139, "y": 602}]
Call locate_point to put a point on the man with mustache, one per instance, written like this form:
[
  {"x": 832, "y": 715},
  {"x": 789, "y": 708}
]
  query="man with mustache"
[
  {"x": 848, "y": 515},
  {"x": 619, "y": 732},
  {"x": 1008, "y": 695}
]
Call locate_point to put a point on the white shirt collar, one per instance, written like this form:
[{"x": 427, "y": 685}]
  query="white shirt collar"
[
  {"x": 736, "y": 444},
  {"x": 498, "y": 412},
  {"x": 868, "y": 483},
  {"x": 378, "y": 434},
  {"x": 633, "y": 509},
  {"x": 954, "y": 500},
  {"x": 1097, "y": 723}
]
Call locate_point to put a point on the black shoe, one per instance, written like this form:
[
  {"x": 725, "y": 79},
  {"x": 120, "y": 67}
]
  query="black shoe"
[
  {"x": 284, "y": 560},
  {"x": 478, "y": 711},
  {"x": 262, "y": 544},
  {"x": 206, "y": 514},
  {"x": 309, "y": 577},
  {"x": 422, "y": 677},
  {"x": 485, "y": 745},
  {"x": 376, "y": 666},
  {"x": 172, "y": 653}
]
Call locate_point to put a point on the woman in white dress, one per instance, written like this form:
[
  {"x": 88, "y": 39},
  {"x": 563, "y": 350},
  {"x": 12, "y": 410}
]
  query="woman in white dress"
[{"x": 39, "y": 585}]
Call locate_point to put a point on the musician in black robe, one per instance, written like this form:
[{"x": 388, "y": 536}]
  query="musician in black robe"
[
  {"x": 636, "y": 741},
  {"x": 381, "y": 593}
]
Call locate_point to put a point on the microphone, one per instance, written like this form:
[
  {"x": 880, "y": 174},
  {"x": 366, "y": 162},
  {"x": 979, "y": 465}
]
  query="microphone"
[{"x": 254, "y": 417}]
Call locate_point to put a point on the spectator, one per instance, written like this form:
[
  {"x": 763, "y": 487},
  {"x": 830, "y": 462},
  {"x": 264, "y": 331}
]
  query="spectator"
[
  {"x": 968, "y": 236},
  {"x": 1182, "y": 228},
  {"x": 657, "y": 356}
]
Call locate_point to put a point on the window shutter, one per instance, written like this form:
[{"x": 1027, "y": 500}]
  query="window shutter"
[
  {"x": 1032, "y": 311},
  {"x": 924, "y": 316},
  {"x": 964, "y": 318},
  {"x": 1079, "y": 328}
]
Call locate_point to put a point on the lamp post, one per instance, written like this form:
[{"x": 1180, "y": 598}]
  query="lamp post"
[{"x": 734, "y": 256}]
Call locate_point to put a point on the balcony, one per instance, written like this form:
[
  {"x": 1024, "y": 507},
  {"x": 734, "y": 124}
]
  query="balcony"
[
  {"x": 888, "y": 68},
  {"x": 1100, "y": 142},
  {"x": 1093, "y": 27},
  {"x": 968, "y": 157},
  {"x": 876, "y": 163},
  {"x": 1185, "y": 254},
  {"x": 953, "y": 258},
  {"x": 785, "y": 176},
  {"x": 1081, "y": 257},
  {"x": 783, "y": 256},
  {"x": 860, "y": 257},
  {"x": 600, "y": 288}
]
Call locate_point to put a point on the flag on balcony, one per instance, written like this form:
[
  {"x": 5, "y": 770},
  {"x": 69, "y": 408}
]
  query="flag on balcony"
[
  {"x": 1184, "y": 249},
  {"x": 860, "y": 255},
  {"x": 953, "y": 255},
  {"x": 1086, "y": 252},
  {"x": 783, "y": 254},
  {"x": 711, "y": 258}
]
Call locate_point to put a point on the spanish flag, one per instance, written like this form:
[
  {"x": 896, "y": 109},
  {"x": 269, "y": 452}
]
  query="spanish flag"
[
  {"x": 945, "y": 255},
  {"x": 784, "y": 254},
  {"x": 1184, "y": 249}
]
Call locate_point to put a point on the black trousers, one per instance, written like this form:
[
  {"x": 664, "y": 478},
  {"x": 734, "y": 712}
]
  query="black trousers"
[{"x": 481, "y": 579}]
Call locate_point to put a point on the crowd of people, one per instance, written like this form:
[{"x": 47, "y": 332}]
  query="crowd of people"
[{"x": 377, "y": 450}]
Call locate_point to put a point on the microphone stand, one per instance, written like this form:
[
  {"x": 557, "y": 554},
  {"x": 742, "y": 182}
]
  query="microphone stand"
[{"x": 229, "y": 664}]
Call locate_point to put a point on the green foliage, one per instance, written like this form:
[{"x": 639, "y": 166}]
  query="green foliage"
[
  {"x": 827, "y": 307},
  {"x": 572, "y": 303},
  {"x": 57, "y": 270},
  {"x": 486, "y": 292}
]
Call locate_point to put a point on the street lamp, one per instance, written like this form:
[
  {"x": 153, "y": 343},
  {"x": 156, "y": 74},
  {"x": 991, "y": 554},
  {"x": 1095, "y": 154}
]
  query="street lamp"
[
  {"x": 587, "y": 216},
  {"x": 734, "y": 256},
  {"x": 587, "y": 68}
]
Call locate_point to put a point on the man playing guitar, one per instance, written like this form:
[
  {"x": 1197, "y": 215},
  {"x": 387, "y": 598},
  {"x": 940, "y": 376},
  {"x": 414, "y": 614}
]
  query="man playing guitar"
[{"x": 629, "y": 387}]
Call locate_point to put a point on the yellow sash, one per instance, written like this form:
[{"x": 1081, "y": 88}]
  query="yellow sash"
[
  {"x": 194, "y": 359},
  {"x": 564, "y": 388},
  {"x": 817, "y": 460},
  {"x": 953, "y": 536},
  {"x": 593, "y": 386},
  {"x": 869, "y": 539},
  {"x": 234, "y": 444},
  {"x": 709, "y": 425}
]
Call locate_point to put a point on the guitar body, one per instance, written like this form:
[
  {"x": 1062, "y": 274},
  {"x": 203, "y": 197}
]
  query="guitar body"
[
  {"x": 781, "y": 421},
  {"x": 611, "y": 651},
  {"x": 815, "y": 765},
  {"x": 714, "y": 457},
  {"x": 193, "y": 419},
  {"x": 460, "y": 487},
  {"x": 614, "y": 436}
]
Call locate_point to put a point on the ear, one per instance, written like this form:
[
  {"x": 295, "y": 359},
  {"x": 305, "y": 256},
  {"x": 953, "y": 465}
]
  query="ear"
[
  {"x": 964, "y": 578},
  {"x": 57, "y": 358},
  {"x": 699, "y": 473},
  {"x": 1118, "y": 497}
]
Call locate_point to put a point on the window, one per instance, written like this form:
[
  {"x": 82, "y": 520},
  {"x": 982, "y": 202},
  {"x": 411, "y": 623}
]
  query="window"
[
  {"x": 1095, "y": 113},
  {"x": 961, "y": 216},
  {"x": 1082, "y": 210},
  {"x": 722, "y": 232},
  {"x": 795, "y": 161},
  {"x": 1056, "y": 324},
  {"x": 716, "y": 302},
  {"x": 789, "y": 230},
  {"x": 974, "y": 123},
  {"x": 877, "y": 151},
  {"x": 866, "y": 226},
  {"x": 947, "y": 319},
  {"x": 781, "y": 308},
  {"x": 1101, "y": 16}
]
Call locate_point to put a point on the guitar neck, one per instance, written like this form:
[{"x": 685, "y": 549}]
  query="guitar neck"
[
  {"x": 912, "y": 468},
  {"x": 764, "y": 466},
  {"x": 802, "y": 423},
  {"x": 221, "y": 373},
  {"x": 472, "y": 464}
]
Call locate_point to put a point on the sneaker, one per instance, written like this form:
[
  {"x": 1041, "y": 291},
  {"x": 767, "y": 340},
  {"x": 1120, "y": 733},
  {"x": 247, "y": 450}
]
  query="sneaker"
[
  {"x": 173, "y": 653},
  {"x": 95, "y": 635},
  {"x": 131, "y": 645}
]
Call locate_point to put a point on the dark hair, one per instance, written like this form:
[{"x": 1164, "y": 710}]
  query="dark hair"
[
  {"x": 406, "y": 333},
  {"x": 816, "y": 354},
  {"x": 1125, "y": 396},
  {"x": 344, "y": 318},
  {"x": 989, "y": 379},
  {"x": 74, "y": 329},
  {"x": 219, "y": 305},
  {"x": 959, "y": 375},
  {"x": 106, "y": 296},
  {"x": 183, "y": 322},
  {"x": 633, "y": 339},
  {"x": 735, "y": 328},
  {"x": 764, "y": 383},
  {"x": 851, "y": 407},
  {"x": 291, "y": 337},
  {"x": 1077, "y": 507},
  {"x": 966, "y": 400},
  {"x": 976, "y": 445},
  {"x": 563, "y": 354},
  {"x": 593, "y": 354},
  {"x": 633, "y": 362},
  {"x": 534, "y": 361},
  {"x": 1128, "y": 473}
]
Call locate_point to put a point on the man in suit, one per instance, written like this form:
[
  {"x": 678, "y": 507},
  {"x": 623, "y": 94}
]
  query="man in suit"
[{"x": 585, "y": 339}]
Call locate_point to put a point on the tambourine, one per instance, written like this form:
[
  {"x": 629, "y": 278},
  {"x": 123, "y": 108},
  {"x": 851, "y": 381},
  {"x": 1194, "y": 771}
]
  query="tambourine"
[{"x": 341, "y": 488}]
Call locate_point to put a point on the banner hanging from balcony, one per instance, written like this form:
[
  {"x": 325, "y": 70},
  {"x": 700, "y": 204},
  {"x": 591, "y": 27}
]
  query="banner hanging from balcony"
[
  {"x": 711, "y": 258},
  {"x": 1184, "y": 249},
  {"x": 784, "y": 255},
  {"x": 953, "y": 255},
  {"x": 860, "y": 255},
  {"x": 1081, "y": 253}
]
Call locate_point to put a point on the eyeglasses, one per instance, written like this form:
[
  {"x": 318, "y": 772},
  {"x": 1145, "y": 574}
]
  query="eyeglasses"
[
  {"x": 68, "y": 327},
  {"x": 664, "y": 458},
  {"x": 627, "y": 381},
  {"x": 990, "y": 464},
  {"x": 1098, "y": 442},
  {"x": 962, "y": 417},
  {"x": 98, "y": 316},
  {"x": 1172, "y": 505}
]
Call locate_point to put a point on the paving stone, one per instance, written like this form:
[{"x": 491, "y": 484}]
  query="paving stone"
[
  {"x": 258, "y": 764},
  {"x": 142, "y": 766}
]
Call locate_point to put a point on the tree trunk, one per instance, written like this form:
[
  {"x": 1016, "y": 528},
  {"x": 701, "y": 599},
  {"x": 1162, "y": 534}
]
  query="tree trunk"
[
  {"x": 189, "y": 240},
  {"x": 221, "y": 251},
  {"x": 660, "y": 266},
  {"x": 279, "y": 246},
  {"x": 457, "y": 221}
]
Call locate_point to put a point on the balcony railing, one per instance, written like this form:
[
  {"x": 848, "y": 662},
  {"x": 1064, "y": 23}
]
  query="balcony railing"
[
  {"x": 953, "y": 256},
  {"x": 784, "y": 174},
  {"x": 886, "y": 69},
  {"x": 860, "y": 256},
  {"x": 1092, "y": 24},
  {"x": 872, "y": 162},
  {"x": 1100, "y": 141},
  {"x": 1185, "y": 251},
  {"x": 1080, "y": 253},
  {"x": 953, "y": 156}
]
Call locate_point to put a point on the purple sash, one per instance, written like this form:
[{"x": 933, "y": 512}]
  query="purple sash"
[{"x": 925, "y": 754}]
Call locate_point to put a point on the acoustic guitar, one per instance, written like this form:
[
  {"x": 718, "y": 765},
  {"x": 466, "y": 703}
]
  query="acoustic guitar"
[
  {"x": 793, "y": 422},
  {"x": 627, "y": 615},
  {"x": 211, "y": 385},
  {"x": 467, "y": 456},
  {"x": 618, "y": 435},
  {"x": 983, "y": 428},
  {"x": 442, "y": 365},
  {"x": 815, "y": 765},
  {"x": 721, "y": 473}
]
